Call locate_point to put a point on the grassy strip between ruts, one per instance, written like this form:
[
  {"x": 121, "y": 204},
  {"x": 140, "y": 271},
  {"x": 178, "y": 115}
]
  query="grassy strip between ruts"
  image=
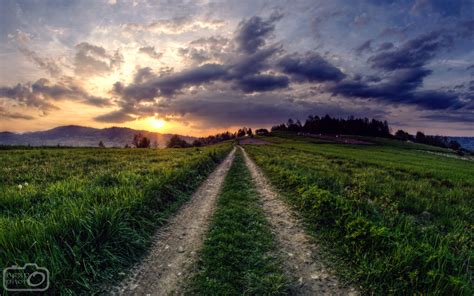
[
  {"x": 238, "y": 254},
  {"x": 87, "y": 214}
]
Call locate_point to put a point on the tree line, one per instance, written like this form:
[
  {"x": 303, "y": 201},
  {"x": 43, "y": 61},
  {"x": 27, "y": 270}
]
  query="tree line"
[
  {"x": 361, "y": 127},
  {"x": 333, "y": 125},
  {"x": 439, "y": 141}
]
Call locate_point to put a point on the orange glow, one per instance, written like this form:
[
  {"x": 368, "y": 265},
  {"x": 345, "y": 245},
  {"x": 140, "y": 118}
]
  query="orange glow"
[{"x": 157, "y": 123}]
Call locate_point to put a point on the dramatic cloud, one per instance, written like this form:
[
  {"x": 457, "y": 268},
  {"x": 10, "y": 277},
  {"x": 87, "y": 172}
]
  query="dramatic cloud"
[
  {"x": 413, "y": 53},
  {"x": 253, "y": 33},
  {"x": 310, "y": 67},
  {"x": 259, "y": 83},
  {"x": 212, "y": 64},
  {"x": 400, "y": 88},
  {"x": 42, "y": 94},
  {"x": 385, "y": 46},
  {"x": 168, "y": 85}
]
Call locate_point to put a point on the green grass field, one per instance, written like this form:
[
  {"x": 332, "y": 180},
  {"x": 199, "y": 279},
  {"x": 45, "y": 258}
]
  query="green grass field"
[
  {"x": 238, "y": 255},
  {"x": 393, "y": 218},
  {"x": 399, "y": 220},
  {"x": 87, "y": 213}
]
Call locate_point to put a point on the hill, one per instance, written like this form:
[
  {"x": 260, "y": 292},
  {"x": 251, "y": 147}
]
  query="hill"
[
  {"x": 81, "y": 136},
  {"x": 466, "y": 142}
]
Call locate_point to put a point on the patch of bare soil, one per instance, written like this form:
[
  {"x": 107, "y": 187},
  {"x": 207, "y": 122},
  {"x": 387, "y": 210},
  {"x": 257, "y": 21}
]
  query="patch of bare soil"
[
  {"x": 253, "y": 141},
  {"x": 301, "y": 257},
  {"x": 168, "y": 265}
]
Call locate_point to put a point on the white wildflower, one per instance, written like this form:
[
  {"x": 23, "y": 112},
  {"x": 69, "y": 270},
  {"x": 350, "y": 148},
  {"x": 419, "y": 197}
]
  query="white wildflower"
[
  {"x": 26, "y": 183},
  {"x": 20, "y": 186}
]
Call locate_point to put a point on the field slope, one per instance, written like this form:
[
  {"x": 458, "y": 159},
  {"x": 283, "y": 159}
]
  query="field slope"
[
  {"x": 86, "y": 214},
  {"x": 399, "y": 219}
]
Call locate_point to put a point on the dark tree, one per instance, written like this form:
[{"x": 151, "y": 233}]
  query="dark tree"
[
  {"x": 249, "y": 132},
  {"x": 242, "y": 132},
  {"x": 101, "y": 144},
  {"x": 197, "y": 143},
  {"x": 404, "y": 136},
  {"x": 420, "y": 137},
  {"x": 262, "y": 132},
  {"x": 176, "y": 142},
  {"x": 140, "y": 141},
  {"x": 454, "y": 145},
  {"x": 329, "y": 125}
]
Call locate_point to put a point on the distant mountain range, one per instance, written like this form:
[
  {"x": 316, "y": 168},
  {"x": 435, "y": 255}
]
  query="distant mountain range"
[
  {"x": 466, "y": 142},
  {"x": 81, "y": 136}
]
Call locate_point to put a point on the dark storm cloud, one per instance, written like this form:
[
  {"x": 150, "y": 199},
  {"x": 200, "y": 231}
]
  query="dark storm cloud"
[
  {"x": 385, "y": 46},
  {"x": 310, "y": 67},
  {"x": 260, "y": 83},
  {"x": 168, "y": 85},
  {"x": 400, "y": 88},
  {"x": 42, "y": 94},
  {"x": 253, "y": 33},
  {"x": 252, "y": 63},
  {"x": 413, "y": 53},
  {"x": 243, "y": 71}
]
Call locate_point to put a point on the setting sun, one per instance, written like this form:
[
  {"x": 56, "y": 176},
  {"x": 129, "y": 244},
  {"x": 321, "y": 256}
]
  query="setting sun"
[{"x": 157, "y": 123}]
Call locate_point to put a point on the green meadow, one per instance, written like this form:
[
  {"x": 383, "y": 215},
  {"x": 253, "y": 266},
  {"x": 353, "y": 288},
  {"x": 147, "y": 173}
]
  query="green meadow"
[
  {"x": 87, "y": 213},
  {"x": 394, "y": 217}
]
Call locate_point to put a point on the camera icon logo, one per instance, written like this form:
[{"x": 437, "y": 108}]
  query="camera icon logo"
[{"x": 29, "y": 278}]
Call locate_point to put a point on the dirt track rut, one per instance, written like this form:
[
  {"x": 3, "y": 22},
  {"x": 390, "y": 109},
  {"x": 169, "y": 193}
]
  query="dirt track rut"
[
  {"x": 301, "y": 257},
  {"x": 167, "y": 267}
]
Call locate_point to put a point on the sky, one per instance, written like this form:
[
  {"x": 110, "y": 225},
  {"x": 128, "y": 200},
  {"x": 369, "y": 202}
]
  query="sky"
[{"x": 200, "y": 67}]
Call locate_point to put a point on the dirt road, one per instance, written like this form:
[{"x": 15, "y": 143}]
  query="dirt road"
[
  {"x": 301, "y": 257},
  {"x": 167, "y": 267}
]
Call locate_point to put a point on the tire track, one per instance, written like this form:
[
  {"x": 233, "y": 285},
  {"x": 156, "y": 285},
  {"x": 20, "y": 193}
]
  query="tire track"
[
  {"x": 302, "y": 258},
  {"x": 168, "y": 264}
]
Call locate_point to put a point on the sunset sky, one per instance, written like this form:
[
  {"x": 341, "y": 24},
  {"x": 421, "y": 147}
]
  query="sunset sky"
[{"x": 199, "y": 67}]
